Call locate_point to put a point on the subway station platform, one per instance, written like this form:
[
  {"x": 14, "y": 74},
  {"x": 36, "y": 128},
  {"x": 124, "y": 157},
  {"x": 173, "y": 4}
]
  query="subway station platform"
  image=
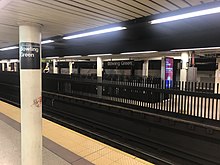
[{"x": 61, "y": 146}]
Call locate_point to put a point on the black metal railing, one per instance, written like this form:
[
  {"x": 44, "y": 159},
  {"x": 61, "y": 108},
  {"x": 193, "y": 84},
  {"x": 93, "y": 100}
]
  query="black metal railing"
[
  {"x": 113, "y": 77},
  {"x": 186, "y": 98}
]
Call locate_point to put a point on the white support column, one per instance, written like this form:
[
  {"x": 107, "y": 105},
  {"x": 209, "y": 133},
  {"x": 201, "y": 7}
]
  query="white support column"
[
  {"x": 99, "y": 67},
  {"x": 99, "y": 76},
  {"x": 145, "y": 68},
  {"x": 192, "y": 70},
  {"x": 70, "y": 68},
  {"x": 183, "y": 70},
  {"x": 31, "y": 94},
  {"x": 163, "y": 68},
  {"x": 162, "y": 76},
  {"x": 3, "y": 67},
  {"x": 217, "y": 88},
  {"x": 55, "y": 70},
  {"x": 217, "y": 76},
  {"x": 8, "y": 66},
  {"x": 15, "y": 66}
]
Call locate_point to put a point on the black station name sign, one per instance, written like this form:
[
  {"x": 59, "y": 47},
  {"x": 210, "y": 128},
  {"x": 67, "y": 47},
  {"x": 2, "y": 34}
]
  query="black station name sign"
[
  {"x": 118, "y": 64},
  {"x": 29, "y": 55}
]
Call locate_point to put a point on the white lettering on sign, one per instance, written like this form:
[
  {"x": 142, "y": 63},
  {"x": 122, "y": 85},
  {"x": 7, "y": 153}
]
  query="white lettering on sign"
[
  {"x": 27, "y": 55},
  {"x": 30, "y": 55},
  {"x": 29, "y": 49},
  {"x": 126, "y": 63},
  {"x": 118, "y": 63},
  {"x": 113, "y": 63}
]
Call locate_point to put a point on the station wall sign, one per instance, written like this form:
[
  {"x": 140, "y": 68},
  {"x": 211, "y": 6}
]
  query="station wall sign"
[
  {"x": 29, "y": 55},
  {"x": 128, "y": 64}
]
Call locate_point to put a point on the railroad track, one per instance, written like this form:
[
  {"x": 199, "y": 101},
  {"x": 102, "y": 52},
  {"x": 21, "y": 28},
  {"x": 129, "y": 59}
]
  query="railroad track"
[
  {"x": 160, "y": 153},
  {"x": 100, "y": 132}
]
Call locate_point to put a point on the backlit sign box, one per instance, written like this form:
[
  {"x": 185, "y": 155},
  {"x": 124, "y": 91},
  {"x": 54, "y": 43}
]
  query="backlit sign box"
[{"x": 169, "y": 72}]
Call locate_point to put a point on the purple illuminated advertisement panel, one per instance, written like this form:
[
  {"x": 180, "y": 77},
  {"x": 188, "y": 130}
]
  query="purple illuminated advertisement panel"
[{"x": 169, "y": 72}]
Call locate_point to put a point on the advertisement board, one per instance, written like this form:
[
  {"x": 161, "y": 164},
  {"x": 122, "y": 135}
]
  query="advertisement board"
[{"x": 169, "y": 71}]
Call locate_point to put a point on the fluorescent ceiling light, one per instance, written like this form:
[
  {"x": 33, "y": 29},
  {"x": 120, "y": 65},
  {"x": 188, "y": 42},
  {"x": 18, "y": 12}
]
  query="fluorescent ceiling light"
[
  {"x": 14, "y": 60},
  {"x": 120, "y": 59},
  {"x": 95, "y": 32},
  {"x": 3, "y": 61},
  {"x": 62, "y": 60},
  {"x": 117, "y": 59},
  {"x": 97, "y": 55},
  {"x": 52, "y": 57},
  {"x": 77, "y": 56},
  {"x": 82, "y": 60},
  {"x": 47, "y": 42},
  {"x": 182, "y": 50},
  {"x": 187, "y": 15},
  {"x": 147, "y": 52},
  {"x": 155, "y": 58},
  {"x": 9, "y": 48}
]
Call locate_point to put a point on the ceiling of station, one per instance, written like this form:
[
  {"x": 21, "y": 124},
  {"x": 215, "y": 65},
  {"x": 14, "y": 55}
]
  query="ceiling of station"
[{"x": 60, "y": 17}]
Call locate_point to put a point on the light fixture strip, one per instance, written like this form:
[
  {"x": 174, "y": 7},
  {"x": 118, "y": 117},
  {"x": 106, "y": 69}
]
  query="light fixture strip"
[
  {"x": 47, "y": 42},
  {"x": 98, "y": 55},
  {"x": 147, "y": 52},
  {"x": 77, "y": 56},
  {"x": 9, "y": 48},
  {"x": 3, "y": 61},
  {"x": 52, "y": 57},
  {"x": 95, "y": 32},
  {"x": 117, "y": 59},
  {"x": 190, "y": 49},
  {"x": 14, "y": 60},
  {"x": 187, "y": 15}
]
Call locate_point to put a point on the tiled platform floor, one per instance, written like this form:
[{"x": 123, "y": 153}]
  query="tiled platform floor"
[
  {"x": 65, "y": 147},
  {"x": 11, "y": 146}
]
